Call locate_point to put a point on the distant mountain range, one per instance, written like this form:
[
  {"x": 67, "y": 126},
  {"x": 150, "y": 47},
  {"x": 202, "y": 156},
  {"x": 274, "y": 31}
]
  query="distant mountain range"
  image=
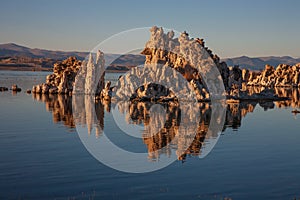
[
  {"x": 260, "y": 62},
  {"x": 16, "y": 57},
  {"x": 11, "y": 49}
]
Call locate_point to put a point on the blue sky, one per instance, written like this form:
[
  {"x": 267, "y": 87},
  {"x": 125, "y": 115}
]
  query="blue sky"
[{"x": 230, "y": 27}]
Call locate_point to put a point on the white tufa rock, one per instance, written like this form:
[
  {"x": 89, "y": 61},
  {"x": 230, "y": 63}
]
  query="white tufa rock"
[{"x": 90, "y": 77}]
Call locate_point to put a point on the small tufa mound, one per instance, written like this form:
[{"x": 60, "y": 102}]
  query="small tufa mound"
[
  {"x": 15, "y": 88},
  {"x": 61, "y": 81},
  {"x": 3, "y": 89},
  {"x": 70, "y": 73}
]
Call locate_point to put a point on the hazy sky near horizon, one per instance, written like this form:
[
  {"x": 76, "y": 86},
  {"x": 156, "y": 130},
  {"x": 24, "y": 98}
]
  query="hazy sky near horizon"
[{"x": 230, "y": 27}]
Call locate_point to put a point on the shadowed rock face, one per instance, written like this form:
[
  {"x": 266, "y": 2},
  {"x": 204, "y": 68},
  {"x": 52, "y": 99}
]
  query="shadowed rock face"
[{"x": 151, "y": 92}]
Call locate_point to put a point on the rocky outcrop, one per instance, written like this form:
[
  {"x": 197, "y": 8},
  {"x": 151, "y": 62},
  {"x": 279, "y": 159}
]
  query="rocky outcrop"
[
  {"x": 190, "y": 58},
  {"x": 87, "y": 76},
  {"x": 265, "y": 94},
  {"x": 282, "y": 76},
  {"x": 167, "y": 60},
  {"x": 235, "y": 78},
  {"x": 153, "y": 92},
  {"x": 106, "y": 92},
  {"x": 61, "y": 81},
  {"x": 151, "y": 82},
  {"x": 73, "y": 76},
  {"x": 205, "y": 74}
]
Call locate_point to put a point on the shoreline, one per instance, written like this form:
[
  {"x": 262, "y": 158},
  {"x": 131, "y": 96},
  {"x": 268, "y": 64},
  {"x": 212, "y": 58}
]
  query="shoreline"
[{"x": 26, "y": 69}]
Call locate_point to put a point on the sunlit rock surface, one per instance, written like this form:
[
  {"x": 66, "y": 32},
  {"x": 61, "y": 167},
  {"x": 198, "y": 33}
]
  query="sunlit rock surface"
[
  {"x": 282, "y": 76},
  {"x": 205, "y": 75},
  {"x": 62, "y": 79},
  {"x": 175, "y": 68},
  {"x": 168, "y": 59},
  {"x": 88, "y": 74},
  {"x": 73, "y": 76}
]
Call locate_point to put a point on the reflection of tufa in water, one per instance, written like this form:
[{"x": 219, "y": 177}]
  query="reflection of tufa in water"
[
  {"x": 160, "y": 130},
  {"x": 62, "y": 110},
  {"x": 60, "y": 106}
]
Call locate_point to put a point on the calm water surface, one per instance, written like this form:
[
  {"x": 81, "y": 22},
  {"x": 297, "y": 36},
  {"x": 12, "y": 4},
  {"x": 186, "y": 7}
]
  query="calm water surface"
[{"x": 42, "y": 156}]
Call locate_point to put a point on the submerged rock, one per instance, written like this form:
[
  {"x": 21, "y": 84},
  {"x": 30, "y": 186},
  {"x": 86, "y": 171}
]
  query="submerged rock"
[{"x": 295, "y": 111}]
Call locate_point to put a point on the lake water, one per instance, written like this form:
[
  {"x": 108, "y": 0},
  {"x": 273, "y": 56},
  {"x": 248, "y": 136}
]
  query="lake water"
[{"x": 43, "y": 154}]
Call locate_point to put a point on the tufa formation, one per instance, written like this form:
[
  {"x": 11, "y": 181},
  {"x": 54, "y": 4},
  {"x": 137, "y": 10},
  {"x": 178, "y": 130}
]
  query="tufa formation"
[
  {"x": 72, "y": 75},
  {"x": 203, "y": 71},
  {"x": 62, "y": 79}
]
